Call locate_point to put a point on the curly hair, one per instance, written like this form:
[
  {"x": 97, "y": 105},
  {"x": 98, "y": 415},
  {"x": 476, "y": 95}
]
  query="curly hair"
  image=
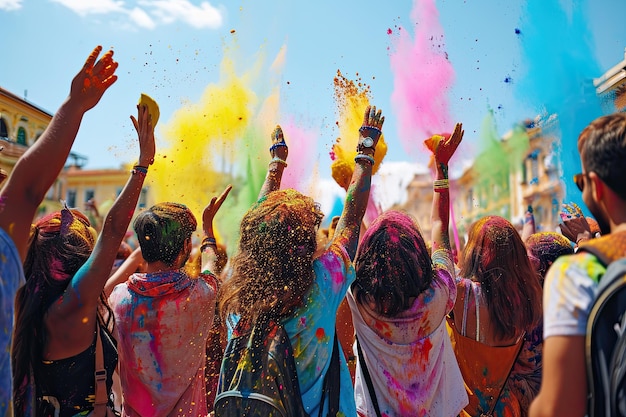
[
  {"x": 272, "y": 269},
  {"x": 59, "y": 245},
  {"x": 546, "y": 247},
  {"x": 496, "y": 257},
  {"x": 393, "y": 264},
  {"x": 602, "y": 147}
]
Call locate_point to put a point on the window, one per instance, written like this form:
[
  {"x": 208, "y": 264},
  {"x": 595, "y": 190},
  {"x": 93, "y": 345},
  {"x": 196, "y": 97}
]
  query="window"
[
  {"x": 71, "y": 198},
  {"x": 4, "y": 131},
  {"x": 89, "y": 194},
  {"x": 21, "y": 136}
]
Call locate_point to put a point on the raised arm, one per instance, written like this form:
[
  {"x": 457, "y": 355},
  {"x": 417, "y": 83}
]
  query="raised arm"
[
  {"x": 528, "y": 228},
  {"x": 277, "y": 165},
  {"x": 208, "y": 248},
  {"x": 347, "y": 231},
  {"x": 442, "y": 147},
  {"x": 37, "y": 169},
  {"x": 82, "y": 294}
]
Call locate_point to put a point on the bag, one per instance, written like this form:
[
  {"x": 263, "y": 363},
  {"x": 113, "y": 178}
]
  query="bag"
[
  {"x": 258, "y": 376},
  {"x": 605, "y": 344}
]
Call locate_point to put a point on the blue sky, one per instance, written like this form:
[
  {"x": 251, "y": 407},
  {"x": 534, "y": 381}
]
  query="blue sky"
[{"x": 171, "y": 49}]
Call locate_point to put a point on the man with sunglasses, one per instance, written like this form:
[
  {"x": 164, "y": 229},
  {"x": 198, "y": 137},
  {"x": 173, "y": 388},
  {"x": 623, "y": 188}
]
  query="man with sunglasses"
[{"x": 569, "y": 289}]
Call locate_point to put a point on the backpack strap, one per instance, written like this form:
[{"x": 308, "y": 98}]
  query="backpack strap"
[
  {"x": 368, "y": 378},
  {"x": 99, "y": 407},
  {"x": 606, "y": 248},
  {"x": 332, "y": 382}
]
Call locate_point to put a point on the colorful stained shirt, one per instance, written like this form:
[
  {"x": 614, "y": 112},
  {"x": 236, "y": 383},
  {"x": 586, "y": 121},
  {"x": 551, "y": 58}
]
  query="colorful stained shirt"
[
  {"x": 163, "y": 321},
  {"x": 568, "y": 292},
  {"x": 11, "y": 279},
  {"x": 311, "y": 330},
  {"x": 409, "y": 357}
]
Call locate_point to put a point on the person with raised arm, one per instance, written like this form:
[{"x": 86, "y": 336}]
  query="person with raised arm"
[
  {"x": 278, "y": 271},
  {"x": 163, "y": 316},
  {"x": 399, "y": 302},
  {"x": 25, "y": 189},
  {"x": 62, "y": 317}
]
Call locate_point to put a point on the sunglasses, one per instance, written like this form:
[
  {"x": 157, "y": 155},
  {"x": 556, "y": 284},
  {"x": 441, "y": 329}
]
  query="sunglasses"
[{"x": 580, "y": 182}]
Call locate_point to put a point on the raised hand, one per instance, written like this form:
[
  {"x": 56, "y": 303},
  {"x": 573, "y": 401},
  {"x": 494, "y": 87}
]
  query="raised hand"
[
  {"x": 279, "y": 148},
  {"x": 211, "y": 209},
  {"x": 372, "y": 124},
  {"x": 145, "y": 131},
  {"x": 574, "y": 225},
  {"x": 96, "y": 76},
  {"x": 444, "y": 146}
]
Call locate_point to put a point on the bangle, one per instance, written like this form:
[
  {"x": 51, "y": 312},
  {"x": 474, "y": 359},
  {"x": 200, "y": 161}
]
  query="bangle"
[
  {"x": 278, "y": 161},
  {"x": 364, "y": 157},
  {"x": 277, "y": 145},
  {"x": 207, "y": 241},
  {"x": 440, "y": 186},
  {"x": 138, "y": 169}
]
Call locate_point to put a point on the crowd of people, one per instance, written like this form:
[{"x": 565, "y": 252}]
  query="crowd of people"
[{"x": 500, "y": 331}]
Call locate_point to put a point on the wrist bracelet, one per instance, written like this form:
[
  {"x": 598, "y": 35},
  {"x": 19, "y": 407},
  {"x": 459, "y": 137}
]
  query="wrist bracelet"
[
  {"x": 138, "y": 169},
  {"x": 278, "y": 160},
  {"x": 364, "y": 157},
  {"x": 206, "y": 242},
  {"x": 277, "y": 145}
]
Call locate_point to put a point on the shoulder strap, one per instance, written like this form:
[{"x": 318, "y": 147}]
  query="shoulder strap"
[
  {"x": 99, "y": 408},
  {"x": 332, "y": 382},
  {"x": 465, "y": 307},
  {"x": 475, "y": 290},
  {"x": 368, "y": 378}
]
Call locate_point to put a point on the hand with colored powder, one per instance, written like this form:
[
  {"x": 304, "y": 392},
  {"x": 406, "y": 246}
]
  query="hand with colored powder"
[
  {"x": 443, "y": 146},
  {"x": 94, "y": 78},
  {"x": 574, "y": 225}
]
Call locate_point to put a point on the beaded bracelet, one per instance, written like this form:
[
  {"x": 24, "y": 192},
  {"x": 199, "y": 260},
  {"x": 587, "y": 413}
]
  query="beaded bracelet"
[
  {"x": 278, "y": 145},
  {"x": 375, "y": 129},
  {"x": 138, "y": 169},
  {"x": 207, "y": 241},
  {"x": 278, "y": 160},
  {"x": 364, "y": 157}
]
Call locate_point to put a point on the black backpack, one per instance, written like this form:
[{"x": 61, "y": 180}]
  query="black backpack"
[
  {"x": 605, "y": 343},
  {"x": 258, "y": 377}
]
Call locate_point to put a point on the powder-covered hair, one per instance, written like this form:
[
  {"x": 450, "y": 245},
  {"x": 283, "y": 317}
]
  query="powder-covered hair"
[
  {"x": 393, "y": 264},
  {"x": 162, "y": 231},
  {"x": 496, "y": 257},
  {"x": 272, "y": 269},
  {"x": 546, "y": 247},
  {"x": 602, "y": 147},
  {"x": 59, "y": 245}
]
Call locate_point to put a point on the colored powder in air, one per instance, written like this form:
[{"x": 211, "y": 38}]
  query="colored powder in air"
[
  {"x": 561, "y": 64},
  {"x": 302, "y": 156},
  {"x": 497, "y": 158},
  {"x": 352, "y": 99},
  {"x": 422, "y": 77},
  {"x": 221, "y": 139}
]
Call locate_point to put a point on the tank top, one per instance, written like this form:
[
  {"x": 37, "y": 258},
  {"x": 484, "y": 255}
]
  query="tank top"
[{"x": 69, "y": 383}]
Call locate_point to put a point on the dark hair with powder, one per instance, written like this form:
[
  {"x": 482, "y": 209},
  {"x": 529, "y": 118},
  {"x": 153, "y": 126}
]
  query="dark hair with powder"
[
  {"x": 495, "y": 256},
  {"x": 272, "y": 269},
  {"x": 546, "y": 247},
  {"x": 162, "y": 231},
  {"x": 393, "y": 264}
]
